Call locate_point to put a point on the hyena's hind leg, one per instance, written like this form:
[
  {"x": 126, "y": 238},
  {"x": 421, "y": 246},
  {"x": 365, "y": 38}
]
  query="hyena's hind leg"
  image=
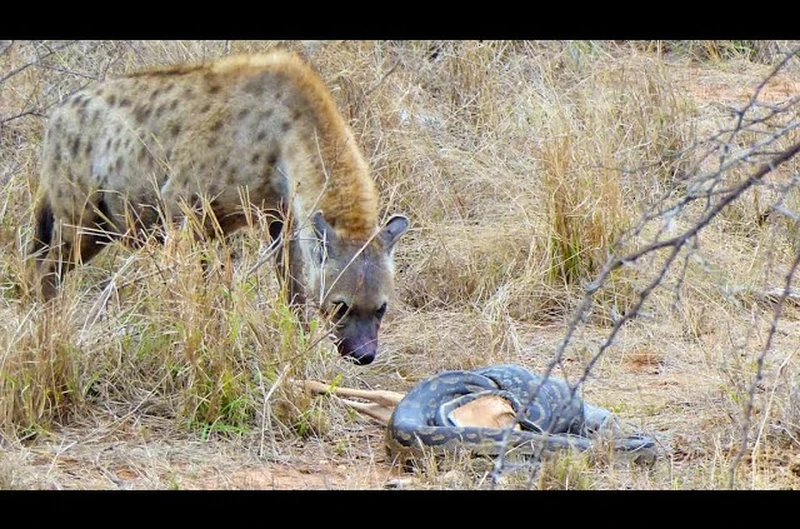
[{"x": 57, "y": 248}]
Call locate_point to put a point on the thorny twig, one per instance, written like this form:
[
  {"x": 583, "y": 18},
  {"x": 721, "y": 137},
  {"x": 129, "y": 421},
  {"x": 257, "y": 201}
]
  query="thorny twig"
[
  {"x": 36, "y": 62},
  {"x": 760, "y": 370},
  {"x": 40, "y": 110},
  {"x": 380, "y": 81},
  {"x": 717, "y": 197}
]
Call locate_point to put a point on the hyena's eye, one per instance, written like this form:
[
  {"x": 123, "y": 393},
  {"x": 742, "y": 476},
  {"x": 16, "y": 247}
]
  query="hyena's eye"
[
  {"x": 341, "y": 311},
  {"x": 381, "y": 311}
]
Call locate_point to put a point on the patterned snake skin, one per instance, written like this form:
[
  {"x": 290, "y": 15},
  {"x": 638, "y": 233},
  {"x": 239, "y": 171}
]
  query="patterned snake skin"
[{"x": 555, "y": 420}]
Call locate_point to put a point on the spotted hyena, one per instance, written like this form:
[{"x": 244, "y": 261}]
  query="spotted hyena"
[{"x": 128, "y": 154}]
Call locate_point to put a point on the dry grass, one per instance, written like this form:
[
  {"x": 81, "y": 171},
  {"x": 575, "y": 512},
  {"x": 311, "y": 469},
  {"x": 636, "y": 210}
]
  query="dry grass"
[{"x": 521, "y": 165}]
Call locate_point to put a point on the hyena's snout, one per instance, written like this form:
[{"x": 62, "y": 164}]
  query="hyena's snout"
[{"x": 358, "y": 341}]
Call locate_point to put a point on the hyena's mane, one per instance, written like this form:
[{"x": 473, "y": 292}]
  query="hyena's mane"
[{"x": 334, "y": 176}]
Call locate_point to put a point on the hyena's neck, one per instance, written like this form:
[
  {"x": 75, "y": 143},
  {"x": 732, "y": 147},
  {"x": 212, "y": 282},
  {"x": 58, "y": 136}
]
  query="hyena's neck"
[
  {"x": 325, "y": 168},
  {"x": 327, "y": 173}
]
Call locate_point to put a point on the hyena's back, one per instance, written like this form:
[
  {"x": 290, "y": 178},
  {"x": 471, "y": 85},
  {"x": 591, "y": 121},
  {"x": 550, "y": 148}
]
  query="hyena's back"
[{"x": 115, "y": 152}]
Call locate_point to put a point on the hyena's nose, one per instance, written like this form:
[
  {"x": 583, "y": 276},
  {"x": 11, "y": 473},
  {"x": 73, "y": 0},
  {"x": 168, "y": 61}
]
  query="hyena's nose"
[
  {"x": 361, "y": 355},
  {"x": 362, "y": 360}
]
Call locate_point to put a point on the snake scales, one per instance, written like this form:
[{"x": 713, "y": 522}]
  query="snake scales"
[{"x": 556, "y": 419}]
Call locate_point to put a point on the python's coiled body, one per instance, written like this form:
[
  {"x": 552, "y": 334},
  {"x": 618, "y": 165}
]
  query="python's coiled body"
[{"x": 556, "y": 419}]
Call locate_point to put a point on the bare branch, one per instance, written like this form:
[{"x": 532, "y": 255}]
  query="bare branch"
[
  {"x": 717, "y": 193},
  {"x": 37, "y": 62},
  {"x": 787, "y": 290},
  {"x": 382, "y": 79}
]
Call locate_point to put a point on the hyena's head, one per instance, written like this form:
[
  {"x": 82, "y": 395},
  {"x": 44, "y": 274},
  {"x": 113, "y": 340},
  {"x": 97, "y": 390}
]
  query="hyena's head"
[{"x": 354, "y": 282}]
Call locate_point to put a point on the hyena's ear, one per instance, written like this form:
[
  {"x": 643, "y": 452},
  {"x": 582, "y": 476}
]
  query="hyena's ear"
[
  {"x": 391, "y": 232},
  {"x": 326, "y": 235}
]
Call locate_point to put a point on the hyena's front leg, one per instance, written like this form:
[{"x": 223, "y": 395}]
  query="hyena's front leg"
[
  {"x": 289, "y": 260},
  {"x": 207, "y": 217}
]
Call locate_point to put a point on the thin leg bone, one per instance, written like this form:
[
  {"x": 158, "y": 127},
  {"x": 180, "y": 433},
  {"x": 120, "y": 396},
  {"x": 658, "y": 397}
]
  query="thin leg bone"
[
  {"x": 374, "y": 410},
  {"x": 389, "y": 399}
]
